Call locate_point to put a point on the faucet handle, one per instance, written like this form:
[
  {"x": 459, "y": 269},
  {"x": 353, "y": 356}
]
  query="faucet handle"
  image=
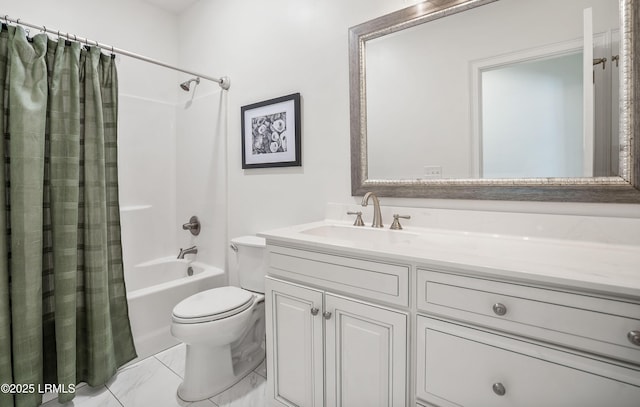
[
  {"x": 396, "y": 221},
  {"x": 358, "y": 221},
  {"x": 193, "y": 226}
]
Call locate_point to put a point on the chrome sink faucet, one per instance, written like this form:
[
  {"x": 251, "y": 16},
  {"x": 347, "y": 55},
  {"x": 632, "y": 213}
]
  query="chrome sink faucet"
[
  {"x": 190, "y": 250},
  {"x": 377, "y": 215}
]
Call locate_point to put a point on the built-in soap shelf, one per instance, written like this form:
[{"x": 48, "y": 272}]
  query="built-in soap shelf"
[{"x": 134, "y": 208}]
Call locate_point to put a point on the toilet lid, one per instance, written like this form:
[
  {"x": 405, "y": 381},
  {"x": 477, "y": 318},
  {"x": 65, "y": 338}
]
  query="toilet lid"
[{"x": 214, "y": 302}]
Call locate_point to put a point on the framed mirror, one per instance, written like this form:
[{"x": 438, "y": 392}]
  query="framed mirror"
[{"x": 477, "y": 99}]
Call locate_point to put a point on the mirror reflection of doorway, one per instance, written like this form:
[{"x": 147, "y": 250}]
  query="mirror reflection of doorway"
[
  {"x": 542, "y": 97},
  {"x": 532, "y": 119}
]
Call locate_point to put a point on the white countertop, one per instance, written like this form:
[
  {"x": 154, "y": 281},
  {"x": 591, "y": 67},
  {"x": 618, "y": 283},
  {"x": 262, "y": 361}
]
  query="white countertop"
[{"x": 598, "y": 267}]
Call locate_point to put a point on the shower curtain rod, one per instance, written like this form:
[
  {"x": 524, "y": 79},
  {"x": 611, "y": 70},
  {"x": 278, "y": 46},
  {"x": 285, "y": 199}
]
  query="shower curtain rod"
[{"x": 224, "y": 82}]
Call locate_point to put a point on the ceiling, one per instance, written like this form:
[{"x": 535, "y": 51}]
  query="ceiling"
[{"x": 172, "y": 6}]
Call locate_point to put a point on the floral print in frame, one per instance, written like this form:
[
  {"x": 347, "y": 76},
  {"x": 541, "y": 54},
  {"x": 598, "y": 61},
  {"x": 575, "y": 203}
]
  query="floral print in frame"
[{"x": 271, "y": 133}]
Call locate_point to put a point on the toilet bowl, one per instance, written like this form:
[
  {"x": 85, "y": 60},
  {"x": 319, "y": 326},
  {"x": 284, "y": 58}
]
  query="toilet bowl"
[{"x": 223, "y": 328}]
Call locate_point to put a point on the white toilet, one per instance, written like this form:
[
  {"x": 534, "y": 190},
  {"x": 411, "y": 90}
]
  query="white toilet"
[{"x": 224, "y": 328}]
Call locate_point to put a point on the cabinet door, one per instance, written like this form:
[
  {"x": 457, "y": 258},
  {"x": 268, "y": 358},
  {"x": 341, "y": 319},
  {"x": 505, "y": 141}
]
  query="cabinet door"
[
  {"x": 366, "y": 354},
  {"x": 294, "y": 344}
]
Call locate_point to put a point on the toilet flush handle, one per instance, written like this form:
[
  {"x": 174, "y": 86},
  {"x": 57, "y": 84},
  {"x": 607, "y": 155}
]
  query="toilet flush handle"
[{"x": 234, "y": 247}]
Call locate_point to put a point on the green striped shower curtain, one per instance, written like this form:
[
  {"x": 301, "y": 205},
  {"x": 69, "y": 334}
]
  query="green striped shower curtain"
[{"x": 63, "y": 308}]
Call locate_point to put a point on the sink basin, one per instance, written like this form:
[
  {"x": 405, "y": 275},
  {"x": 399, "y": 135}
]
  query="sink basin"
[{"x": 359, "y": 234}]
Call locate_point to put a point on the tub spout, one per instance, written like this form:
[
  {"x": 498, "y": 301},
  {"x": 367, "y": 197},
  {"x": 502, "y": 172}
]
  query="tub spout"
[{"x": 190, "y": 250}]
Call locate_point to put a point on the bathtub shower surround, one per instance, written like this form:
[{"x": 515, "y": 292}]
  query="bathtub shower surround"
[{"x": 63, "y": 310}]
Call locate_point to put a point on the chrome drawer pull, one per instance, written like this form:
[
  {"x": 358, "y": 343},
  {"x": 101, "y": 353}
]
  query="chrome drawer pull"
[
  {"x": 499, "y": 309},
  {"x": 326, "y": 315},
  {"x": 498, "y": 388},
  {"x": 634, "y": 337},
  {"x": 314, "y": 311}
]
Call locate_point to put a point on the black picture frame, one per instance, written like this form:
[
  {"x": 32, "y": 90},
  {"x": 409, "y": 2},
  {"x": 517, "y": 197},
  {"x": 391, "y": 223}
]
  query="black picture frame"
[{"x": 271, "y": 133}]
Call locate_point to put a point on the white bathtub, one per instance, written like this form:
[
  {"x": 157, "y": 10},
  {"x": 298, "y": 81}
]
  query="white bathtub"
[{"x": 153, "y": 289}]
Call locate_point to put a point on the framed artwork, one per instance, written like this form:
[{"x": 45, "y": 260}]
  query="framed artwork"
[{"x": 271, "y": 133}]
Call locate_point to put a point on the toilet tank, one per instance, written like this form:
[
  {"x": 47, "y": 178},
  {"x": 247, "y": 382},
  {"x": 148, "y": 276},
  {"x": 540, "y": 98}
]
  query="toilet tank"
[{"x": 252, "y": 262}]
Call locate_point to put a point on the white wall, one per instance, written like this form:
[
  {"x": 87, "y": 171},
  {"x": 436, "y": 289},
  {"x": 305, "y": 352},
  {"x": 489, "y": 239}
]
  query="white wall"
[
  {"x": 277, "y": 47},
  {"x": 268, "y": 49},
  {"x": 147, "y": 108}
]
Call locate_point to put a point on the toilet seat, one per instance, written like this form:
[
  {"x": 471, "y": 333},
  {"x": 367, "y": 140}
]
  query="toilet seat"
[{"x": 212, "y": 305}]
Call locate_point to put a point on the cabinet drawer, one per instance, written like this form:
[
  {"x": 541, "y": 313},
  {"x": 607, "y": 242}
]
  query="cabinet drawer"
[
  {"x": 592, "y": 324},
  {"x": 461, "y": 366},
  {"x": 370, "y": 279}
]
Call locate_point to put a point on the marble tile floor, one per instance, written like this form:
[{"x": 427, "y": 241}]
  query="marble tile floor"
[{"x": 153, "y": 382}]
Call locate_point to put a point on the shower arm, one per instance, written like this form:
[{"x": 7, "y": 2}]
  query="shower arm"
[{"x": 223, "y": 82}]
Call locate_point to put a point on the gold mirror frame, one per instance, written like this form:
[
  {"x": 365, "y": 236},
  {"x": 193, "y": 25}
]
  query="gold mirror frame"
[{"x": 622, "y": 189}]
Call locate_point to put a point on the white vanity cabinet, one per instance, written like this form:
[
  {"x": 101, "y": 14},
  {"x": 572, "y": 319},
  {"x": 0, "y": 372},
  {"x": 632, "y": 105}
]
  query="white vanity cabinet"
[
  {"x": 329, "y": 349},
  {"x": 368, "y": 317},
  {"x": 482, "y": 342}
]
